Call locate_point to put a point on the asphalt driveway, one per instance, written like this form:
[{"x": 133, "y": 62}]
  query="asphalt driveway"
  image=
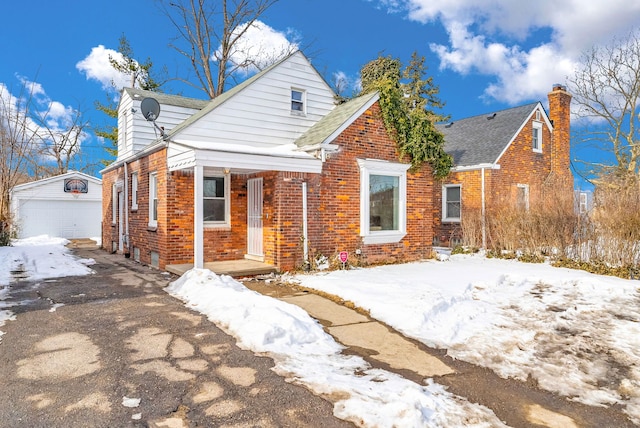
[{"x": 113, "y": 350}]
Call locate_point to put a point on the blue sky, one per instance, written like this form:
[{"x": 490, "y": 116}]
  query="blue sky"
[{"x": 484, "y": 54}]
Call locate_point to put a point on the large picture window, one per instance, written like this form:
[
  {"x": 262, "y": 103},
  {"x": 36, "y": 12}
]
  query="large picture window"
[
  {"x": 383, "y": 190},
  {"x": 451, "y": 202},
  {"x": 216, "y": 201}
]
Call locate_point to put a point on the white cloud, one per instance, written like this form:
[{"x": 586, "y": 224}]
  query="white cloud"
[
  {"x": 494, "y": 37},
  {"x": 260, "y": 46},
  {"x": 96, "y": 66},
  {"x": 36, "y": 117}
]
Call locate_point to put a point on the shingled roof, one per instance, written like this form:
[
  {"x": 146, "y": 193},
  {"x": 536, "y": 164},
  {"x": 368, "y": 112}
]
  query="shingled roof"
[
  {"x": 482, "y": 139},
  {"x": 168, "y": 99},
  {"x": 336, "y": 121}
]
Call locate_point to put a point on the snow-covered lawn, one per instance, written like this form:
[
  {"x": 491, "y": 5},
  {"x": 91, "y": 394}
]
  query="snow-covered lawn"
[{"x": 576, "y": 333}]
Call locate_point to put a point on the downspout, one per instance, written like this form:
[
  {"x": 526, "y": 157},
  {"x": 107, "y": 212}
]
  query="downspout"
[
  {"x": 483, "y": 218},
  {"x": 305, "y": 235},
  {"x": 126, "y": 209},
  {"x": 198, "y": 217}
]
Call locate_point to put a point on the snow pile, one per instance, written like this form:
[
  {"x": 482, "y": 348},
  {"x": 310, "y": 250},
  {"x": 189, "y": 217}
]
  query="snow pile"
[
  {"x": 305, "y": 354},
  {"x": 576, "y": 333},
  {"x": 32, "y": 259}
]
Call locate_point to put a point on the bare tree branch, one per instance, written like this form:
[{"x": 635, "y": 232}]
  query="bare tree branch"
[
  {"x": 208, "y": 35},
  {"x": 606, "y": 91}
]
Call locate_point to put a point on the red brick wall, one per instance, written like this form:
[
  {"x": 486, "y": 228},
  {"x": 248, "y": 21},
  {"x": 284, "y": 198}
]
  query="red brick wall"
[
  {"x": 334, "y": 198},
  {"x": 542, "y": 172}
]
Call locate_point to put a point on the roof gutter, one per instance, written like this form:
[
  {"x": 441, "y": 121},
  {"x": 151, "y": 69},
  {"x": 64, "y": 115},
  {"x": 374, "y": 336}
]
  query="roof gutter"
[
  {"x": 481, "y": 166},
  {"x": 161, "y": 144}
]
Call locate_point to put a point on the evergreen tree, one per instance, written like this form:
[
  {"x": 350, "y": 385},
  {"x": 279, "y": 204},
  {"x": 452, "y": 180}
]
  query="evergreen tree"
[
  {"x": 141, "y": 78},
  {"x": 409, "y": 104}
]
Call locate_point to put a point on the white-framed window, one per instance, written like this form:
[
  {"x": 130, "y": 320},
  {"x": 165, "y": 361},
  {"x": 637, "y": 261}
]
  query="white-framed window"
[
  {"x": 536, "y": 137},
  {"x": 584, "y": 207},
  {"x": 153, "y": 199},
  {"x": 451, "y": 202},
  {"x": 298, "y": 101},
  {"x": 383, "y": 201},
  {"x": 114, "y": 203},
  {"x": 134, "y": 191},
  {"x": 216, "y": 202},
  {"x": 522, "y": 197}
]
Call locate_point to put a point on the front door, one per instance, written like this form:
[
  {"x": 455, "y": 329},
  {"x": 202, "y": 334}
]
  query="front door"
[{"x": 254, "y": 219}]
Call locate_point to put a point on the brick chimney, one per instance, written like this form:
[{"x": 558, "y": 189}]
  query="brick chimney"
[{"x": 560, "y": 115}]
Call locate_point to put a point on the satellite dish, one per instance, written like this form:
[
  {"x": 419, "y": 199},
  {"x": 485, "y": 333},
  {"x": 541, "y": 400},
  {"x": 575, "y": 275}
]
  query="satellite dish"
[{"x": 150, "y": 109}]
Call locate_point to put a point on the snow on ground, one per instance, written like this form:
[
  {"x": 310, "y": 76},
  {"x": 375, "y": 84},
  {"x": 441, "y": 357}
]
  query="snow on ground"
[
  {"x": 576, "y": 333},
  {"x": 305, "y": 354},
  {"x": 35, "y": 258}
]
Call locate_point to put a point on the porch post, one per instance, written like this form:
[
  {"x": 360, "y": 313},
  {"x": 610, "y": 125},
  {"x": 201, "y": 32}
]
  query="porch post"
[{"x": 198, "y": 214}]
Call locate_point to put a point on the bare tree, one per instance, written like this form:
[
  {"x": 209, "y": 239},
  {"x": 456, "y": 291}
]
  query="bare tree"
[
  {"x": 59, "y": 143},
  {"x": 209, "y": 35},
  {"x": 606, "y": 93},
  {"x": 38, "y": 138}
]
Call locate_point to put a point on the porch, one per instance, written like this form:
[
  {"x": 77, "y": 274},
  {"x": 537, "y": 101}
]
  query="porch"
[{"x": 234, "y": 268}]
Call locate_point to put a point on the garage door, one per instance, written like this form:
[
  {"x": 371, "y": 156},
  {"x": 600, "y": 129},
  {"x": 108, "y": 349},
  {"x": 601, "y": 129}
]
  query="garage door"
[{"x": 65, "y": 219}]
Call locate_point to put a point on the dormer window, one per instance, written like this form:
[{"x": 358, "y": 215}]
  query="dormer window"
[{"x": 297, "y": 101}]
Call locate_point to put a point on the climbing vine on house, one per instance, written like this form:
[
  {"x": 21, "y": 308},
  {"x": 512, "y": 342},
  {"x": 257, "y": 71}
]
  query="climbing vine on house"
[{"x": 408, "y": 103}]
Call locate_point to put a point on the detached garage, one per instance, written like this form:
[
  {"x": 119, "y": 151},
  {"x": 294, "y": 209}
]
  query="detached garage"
[{"x": 67, "y": 206}]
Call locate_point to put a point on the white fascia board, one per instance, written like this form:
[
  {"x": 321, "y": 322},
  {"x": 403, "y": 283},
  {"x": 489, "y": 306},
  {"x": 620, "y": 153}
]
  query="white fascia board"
[
  {"x": 475, "y": 167},
  {"x": 219, "y": 159},
  {"x": 349, "y": 121},
  {"x": 68, "y": 174}
]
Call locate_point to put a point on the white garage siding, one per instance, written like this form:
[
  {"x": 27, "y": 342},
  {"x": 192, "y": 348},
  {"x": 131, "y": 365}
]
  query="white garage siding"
[
  {"x": 65, "y": 219},
  {"x": 44, "y": 208}
]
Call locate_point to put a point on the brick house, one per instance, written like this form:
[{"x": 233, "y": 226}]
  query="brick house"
[
  {"x": 506, "y": 158},
  {"x": 272, "y": 170}
]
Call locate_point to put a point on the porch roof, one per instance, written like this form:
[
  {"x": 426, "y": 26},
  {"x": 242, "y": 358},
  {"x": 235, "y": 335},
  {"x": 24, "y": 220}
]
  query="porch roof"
[{"x": 187, "y": 154}]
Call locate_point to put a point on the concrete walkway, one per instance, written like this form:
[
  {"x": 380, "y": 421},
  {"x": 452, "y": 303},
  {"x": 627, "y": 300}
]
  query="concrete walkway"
[{"x": 518, "y": 404}]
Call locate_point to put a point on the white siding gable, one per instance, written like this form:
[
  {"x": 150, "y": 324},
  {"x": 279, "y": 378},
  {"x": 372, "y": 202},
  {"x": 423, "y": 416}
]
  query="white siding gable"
[
  {"x": 260, "y": 114},
  {"x": 135, "y": 132}
]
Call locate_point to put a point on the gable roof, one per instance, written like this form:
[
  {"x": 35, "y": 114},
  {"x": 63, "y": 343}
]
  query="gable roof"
[
  {"x": 331, "y": 125},
  {"x": 167, "y": 99},
  {"x": 482, "y": 139},
  {"x": 223, "y": 97},
  {"x": 68, "y": 174}
]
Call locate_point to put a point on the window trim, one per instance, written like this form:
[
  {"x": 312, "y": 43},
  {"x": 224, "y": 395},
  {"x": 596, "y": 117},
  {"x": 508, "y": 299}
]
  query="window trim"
[
  {"x": 526, "y": 196},
  {"x": 114, "y": 203},
  {"x": 134, "y": 191},
  {"x": 226, "y": 223},
  {"x": 379, "y": 167},
  {"x": 153, "y": 195},
  {"x": 445, "y": 201},
  {"x": 583, "y": 206},
  {"x": 302, "y": 101},
  {"x": 536, "y": 126}
]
